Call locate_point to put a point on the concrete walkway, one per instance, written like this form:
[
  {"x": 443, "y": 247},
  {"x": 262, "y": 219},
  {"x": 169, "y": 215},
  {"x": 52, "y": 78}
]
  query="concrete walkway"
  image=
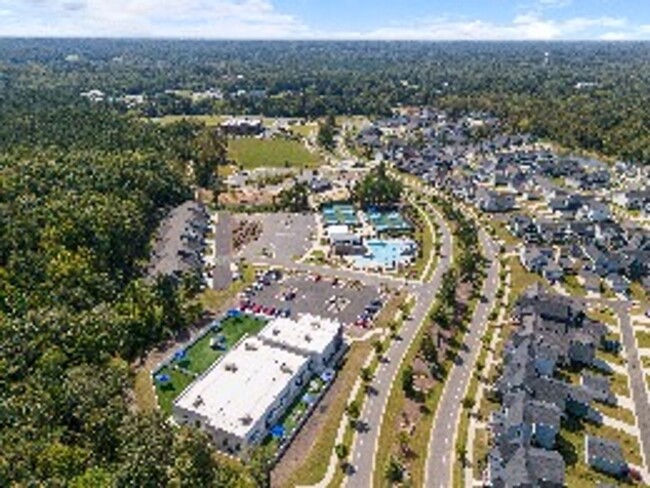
[{"x": 632, "y": 430}]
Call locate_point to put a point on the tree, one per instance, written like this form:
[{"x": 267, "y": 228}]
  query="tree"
[
  {"x": 211, "y": 152},
  {"x": 428, "y": 349},
  {"x": 366, "y": 374},
  {"x": 326, "y": 133},
  {"x": 394, "y": 470},
  {"x": 378, "y": 189},
  {"x": 259, "y": 465},
  {"x": 354, "y": 411},
  {"x": 342, "y": 451},
  {"x": 295, "y": 198},
  {"x": 144, "y": 453},
  {"x": 408, "y": 382},
  {"x": 193, "y": 461}
]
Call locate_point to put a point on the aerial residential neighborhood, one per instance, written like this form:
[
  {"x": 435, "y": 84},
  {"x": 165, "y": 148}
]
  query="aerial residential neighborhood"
[{"x": 273, "y": 244}]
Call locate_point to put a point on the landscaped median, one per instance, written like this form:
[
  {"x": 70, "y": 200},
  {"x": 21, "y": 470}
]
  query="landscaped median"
[{"x": 407, "y": 420}]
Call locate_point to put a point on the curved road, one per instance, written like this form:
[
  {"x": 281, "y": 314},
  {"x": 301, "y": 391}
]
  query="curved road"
[
  {"x": 363, "y": 450},
  {"x": 442, "y": 453}
]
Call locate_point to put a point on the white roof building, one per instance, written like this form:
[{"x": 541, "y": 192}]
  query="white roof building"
[
  {"x": 238, "y": 396},
  {"x": 310, "y": 335},
  {"x": 242, "y": 395}
]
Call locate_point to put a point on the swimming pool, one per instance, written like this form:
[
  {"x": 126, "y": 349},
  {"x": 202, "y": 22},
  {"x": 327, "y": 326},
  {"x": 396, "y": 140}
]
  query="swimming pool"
[{"x": 385, "y": 253}]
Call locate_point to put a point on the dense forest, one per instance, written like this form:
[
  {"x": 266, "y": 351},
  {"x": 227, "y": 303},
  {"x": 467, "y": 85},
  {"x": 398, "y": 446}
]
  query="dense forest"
[
  {"x": 82, "y": 190},
  {"x": 585, "y": 95}
]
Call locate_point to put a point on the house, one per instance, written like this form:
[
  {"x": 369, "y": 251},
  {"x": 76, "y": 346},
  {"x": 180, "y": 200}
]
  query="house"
[
  {"x": 599, "y": 388},
  {"x": 591, "y": 281},
  {"x": 533, "y": 258},
  {"x": 606, "y": 456},
  {"x": 632, "y": 200},
  {"x": 578, "y": 401},
  {"x": 582, "y": 348},
  {"x": 552, "y": 272},
  {"x": 594, "y": 212},
  {"x": 526, "y": 467},
  {"x": 600, "y": 262},
  {"x": 494, "y": 202},
  {"x": 520, "y": 225},
  {"x": 320, "y": 185},
  {"x": 544, "y": 420},
  {"x": 618, "y": 283},
  {"x": 242, "y": 126}
]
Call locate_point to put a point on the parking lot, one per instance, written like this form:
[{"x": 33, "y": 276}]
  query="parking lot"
[
  {"x": 302, "y": 293},
  {"x": 284, "y": 236}
]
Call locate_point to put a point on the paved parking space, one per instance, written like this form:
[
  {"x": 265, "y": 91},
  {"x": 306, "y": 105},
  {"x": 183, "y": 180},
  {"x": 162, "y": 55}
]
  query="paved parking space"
[
  {"x": 325, "y": 297},
  {"x": 285, "y": 236}
]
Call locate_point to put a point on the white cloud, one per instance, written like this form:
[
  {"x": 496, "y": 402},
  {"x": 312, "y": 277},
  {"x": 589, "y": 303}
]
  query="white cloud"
[
  {"x": 259, "y": 19},
  {"x": 149, "y": 18},
  {"x": 523, "y": 27}
]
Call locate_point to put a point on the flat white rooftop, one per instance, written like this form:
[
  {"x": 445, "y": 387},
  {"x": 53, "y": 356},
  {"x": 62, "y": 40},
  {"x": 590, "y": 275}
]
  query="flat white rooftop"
[
  {"x": 309, "y": 334},
  {"x": 239, "y": 390}
]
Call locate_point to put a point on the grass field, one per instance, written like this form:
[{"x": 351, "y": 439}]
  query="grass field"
[
  {"x": 209, "y": 120},
  {"x": 277, "y": 153},
  {"x": 200, "y": 356}
]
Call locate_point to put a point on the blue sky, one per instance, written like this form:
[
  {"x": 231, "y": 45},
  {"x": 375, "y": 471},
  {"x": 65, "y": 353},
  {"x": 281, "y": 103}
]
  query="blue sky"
[{"x": 330, "y": 19}]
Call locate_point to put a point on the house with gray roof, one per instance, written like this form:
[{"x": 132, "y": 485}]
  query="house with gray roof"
[{"x": 605, "y": 455}]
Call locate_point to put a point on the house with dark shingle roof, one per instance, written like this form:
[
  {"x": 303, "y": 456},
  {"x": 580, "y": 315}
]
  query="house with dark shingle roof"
[{"x": 605, "y": 455}]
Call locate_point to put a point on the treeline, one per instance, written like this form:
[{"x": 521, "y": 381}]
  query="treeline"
[
  {"x": 584, "y": 95},
  {"x": 82, "y": 190}
]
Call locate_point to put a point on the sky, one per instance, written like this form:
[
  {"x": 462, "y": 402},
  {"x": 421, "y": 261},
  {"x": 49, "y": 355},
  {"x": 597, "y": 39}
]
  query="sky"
[{"x": 330, "y": 19}]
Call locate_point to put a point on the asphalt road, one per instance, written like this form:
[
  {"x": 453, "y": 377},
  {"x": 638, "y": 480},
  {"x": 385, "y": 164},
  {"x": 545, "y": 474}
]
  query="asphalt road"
[
  {"x": 363, "y": 450},
  {"x": 441, "y": 453}
]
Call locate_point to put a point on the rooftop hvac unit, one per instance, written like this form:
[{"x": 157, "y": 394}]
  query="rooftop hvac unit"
[
  {"x": 250, "y": 346},
  {"x": 231, "y": 367},
  {"x": 198, "y": 401},
  {"x": 285, "y": 369}
]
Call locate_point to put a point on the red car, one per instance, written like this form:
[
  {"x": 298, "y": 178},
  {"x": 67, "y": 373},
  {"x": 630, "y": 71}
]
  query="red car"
[{"x": 257, "y": 308}]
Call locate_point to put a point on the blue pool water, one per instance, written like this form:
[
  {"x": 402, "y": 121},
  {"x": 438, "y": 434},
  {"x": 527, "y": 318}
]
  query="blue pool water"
[{"x": 385, "y": 253}]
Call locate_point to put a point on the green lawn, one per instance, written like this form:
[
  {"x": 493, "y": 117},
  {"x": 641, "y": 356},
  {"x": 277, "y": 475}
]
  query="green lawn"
[
  {"x": 167, "y": 393},
  {"x": 209, "y": 120},
  {"x": 643, "y": 339},
  {"x": 256, "y": 153},
  {"x": 578, "y": 473},
  {"x": 618, "y": 413},
  {"x": 573, "y": 286},
  {"x": 520, "y": 278},
  {"x": 200, "y": 356}
]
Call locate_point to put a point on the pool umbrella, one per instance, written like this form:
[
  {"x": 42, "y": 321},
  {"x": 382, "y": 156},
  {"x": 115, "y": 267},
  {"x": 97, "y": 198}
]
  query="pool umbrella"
[
  {"x": 163, "y": 378},
  {"x": 277, "y": 431}
]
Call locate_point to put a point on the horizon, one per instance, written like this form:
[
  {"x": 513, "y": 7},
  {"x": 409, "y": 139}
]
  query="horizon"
[{"x": 345, "y": 20}]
